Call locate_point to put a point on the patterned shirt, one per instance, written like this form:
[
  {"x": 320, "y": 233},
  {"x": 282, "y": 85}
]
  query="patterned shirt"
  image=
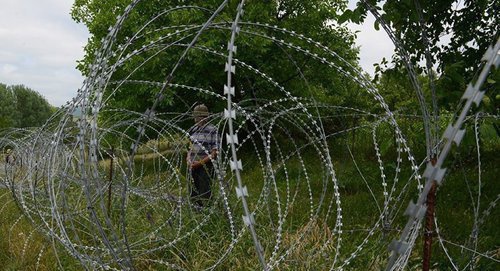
[{"x": 203, "y": 140}]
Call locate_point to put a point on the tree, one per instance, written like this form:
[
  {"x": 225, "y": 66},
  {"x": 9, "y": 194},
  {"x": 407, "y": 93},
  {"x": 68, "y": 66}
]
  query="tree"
[
  {"x": 423, "y": 28},
  {"x": 22, "y": 107},
  {"x": 203, "y": 69},
  {"x": 32, "y": 108},
  {"x": 8, "y": 116}
]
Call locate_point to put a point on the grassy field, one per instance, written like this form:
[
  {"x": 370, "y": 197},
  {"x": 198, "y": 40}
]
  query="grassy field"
[
  {"x": 22, "y": 247},
  {"x": 197, "y": 240}
]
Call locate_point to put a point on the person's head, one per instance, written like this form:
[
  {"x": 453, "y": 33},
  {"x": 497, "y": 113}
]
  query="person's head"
[
  {"x": 200, "y": 113},
  {"x": 8, "y": 151}
]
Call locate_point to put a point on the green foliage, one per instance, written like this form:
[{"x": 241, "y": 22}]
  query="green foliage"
[
  {"x": 22, "y": 247},
  {"x": 200, "y": 247},
  {"x": 205, "y": 70},
  {"x": 33, "y": 109},
  {"x": 22, "y": 107},
  {"x": 8, "y": 118},
  {"x": 470, "y": 27},
  {"x": 397, "y": 91}
]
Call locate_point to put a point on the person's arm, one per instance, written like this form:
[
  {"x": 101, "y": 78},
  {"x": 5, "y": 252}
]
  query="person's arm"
[
  {"x": 204, "y": 160},
  {"x": 214, "y": 153}
]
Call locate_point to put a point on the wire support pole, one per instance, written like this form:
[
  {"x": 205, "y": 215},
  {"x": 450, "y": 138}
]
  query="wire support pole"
[{"x": 434, "y": 173}]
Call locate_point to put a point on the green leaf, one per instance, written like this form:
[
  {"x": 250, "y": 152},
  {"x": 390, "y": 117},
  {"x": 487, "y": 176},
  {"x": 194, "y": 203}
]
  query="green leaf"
[
  {"x": 487, "y": 132},
  {"x": 346, "y": 16}
]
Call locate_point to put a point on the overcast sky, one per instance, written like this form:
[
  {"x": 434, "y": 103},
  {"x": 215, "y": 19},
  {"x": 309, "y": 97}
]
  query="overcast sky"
[{"x": 40, "y": 44}]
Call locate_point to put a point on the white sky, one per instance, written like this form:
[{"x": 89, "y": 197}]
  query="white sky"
[
  {"x": 374, "y": 45},
  {"x": 40, "y": 44}
]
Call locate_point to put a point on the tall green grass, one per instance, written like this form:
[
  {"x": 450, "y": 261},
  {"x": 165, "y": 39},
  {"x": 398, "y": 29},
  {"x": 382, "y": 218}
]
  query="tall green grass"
[{"x": 314, "y": 244}]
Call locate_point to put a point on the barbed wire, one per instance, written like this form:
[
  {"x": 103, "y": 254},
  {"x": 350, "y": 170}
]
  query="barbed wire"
[{"x": 109, "y": 185}]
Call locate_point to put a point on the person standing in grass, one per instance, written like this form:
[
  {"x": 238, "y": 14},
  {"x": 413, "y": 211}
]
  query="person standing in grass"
[{"x": 204, "y": 148}]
